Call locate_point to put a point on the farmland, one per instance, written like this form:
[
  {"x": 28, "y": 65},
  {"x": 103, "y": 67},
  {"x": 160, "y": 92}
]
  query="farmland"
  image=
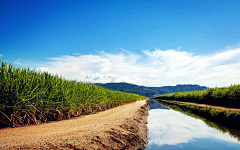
[
  {"x": 223, "y": 96},
  {"x": 32, "y": 97}
]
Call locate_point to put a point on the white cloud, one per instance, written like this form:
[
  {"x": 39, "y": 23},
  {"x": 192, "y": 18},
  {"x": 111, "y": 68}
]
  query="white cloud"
[
  {"x": 151, "y": 68},
  {"x": 76, "y": 53},
  {"x": 43, "y": 69},
  {"x": 100, "y": 78}
]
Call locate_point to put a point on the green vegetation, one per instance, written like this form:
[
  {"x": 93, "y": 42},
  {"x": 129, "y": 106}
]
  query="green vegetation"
[
  {"x": 31, "y": 97},
  {"x": 225, "y": 117},
  {"x": 150, "y": 91},
  {"x": 193, "y": 113},
  {"x": 224, "y": 96}
]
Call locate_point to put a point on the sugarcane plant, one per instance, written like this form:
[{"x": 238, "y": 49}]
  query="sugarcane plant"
[{"x": 33, "y": 97}]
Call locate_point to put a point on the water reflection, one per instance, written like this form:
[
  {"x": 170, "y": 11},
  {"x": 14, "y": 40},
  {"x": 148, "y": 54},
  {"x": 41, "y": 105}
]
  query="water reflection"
[
  {"x": 156, "y": 105},
  {"x": 169, "y": 129},
  {"x": 232, "y": 132}
]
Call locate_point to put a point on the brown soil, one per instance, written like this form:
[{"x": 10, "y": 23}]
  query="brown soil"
[
  {"x": 206, "y": 105},
  {"x": 122, "y": 127}
]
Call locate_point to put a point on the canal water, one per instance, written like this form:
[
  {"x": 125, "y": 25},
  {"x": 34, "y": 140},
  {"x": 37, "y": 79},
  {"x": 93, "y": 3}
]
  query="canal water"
[{"x": 173, "y": 130}]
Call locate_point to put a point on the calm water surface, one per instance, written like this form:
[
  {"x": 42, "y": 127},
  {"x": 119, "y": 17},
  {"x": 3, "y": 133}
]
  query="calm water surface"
[{"x": 172, "y": 130}]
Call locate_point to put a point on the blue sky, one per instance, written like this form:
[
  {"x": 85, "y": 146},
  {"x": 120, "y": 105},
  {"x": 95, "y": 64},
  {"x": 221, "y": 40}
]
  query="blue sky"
[{"x": 152, "y": 43}]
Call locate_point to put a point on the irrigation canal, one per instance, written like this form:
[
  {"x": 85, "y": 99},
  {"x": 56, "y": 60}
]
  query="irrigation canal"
[{"x": 170, "y": 129}]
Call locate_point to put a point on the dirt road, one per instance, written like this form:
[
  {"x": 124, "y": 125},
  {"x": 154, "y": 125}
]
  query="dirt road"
[
  {"x": 122, "y": 127},
  {"x": 206, "y": 105}
]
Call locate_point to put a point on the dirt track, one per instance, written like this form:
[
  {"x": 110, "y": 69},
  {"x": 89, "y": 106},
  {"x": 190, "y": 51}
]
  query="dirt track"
[
  {"x": 122, "y": 127},
  {"x": 206, "y": 105}
]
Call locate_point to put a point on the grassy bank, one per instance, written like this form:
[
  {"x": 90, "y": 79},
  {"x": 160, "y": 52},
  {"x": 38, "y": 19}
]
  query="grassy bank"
[
  {"x": 225, "y": 117},
  {"x": 31, "y": 97},
  {"x": 224, "y": 96},
  {"x": 233, "y": 132}
]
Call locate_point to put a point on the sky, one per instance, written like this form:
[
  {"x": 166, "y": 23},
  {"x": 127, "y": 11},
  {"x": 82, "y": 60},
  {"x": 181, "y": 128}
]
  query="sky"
[{"x": 150, "y": 43}]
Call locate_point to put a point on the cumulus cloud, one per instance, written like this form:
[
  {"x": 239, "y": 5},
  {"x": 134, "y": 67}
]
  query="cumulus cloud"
[
  {"x": 43, "y": 69},
  {"x": 151, "y": 68},
  {"x": 100, "y": 78}
]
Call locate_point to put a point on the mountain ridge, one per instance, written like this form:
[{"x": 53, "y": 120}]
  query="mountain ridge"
[{"x": 150, "y": 91}]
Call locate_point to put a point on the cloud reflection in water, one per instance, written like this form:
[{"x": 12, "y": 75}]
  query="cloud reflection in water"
[{"x": 172, "y": 128}]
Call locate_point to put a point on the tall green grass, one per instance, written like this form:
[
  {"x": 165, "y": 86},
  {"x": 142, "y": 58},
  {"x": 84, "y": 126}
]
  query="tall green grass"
[
  {"x": 224, "y": 96},
  {"x": 31, "y": 97}
]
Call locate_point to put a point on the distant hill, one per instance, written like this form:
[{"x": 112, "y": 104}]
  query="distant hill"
[{"x": 150, "y": 91}]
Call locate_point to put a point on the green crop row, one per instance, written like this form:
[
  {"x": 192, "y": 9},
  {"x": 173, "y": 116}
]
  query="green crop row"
[
  {"x": 31, "y": 97},
  {"x": 224, "y": 96}
]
